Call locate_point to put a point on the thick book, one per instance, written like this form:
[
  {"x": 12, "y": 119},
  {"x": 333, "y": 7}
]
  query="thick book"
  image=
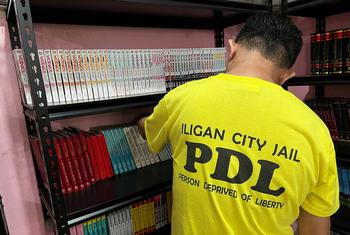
[
  {"x": 338, "y": 53},
  {"x": 346, "y": 51},
  {"x": 70, "y": 167},
  {"x": 91, "y": 150},
  {"x": 66, "y": 179}
]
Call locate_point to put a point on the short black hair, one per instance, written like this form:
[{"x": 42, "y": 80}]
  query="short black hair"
[{"x": 274, "y": 35}]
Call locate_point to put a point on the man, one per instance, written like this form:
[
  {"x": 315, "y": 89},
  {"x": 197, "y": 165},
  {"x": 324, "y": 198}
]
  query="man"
[{"x": 249, "y": 157}]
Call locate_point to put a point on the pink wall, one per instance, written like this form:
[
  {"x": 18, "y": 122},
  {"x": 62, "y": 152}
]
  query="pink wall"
[{"x": 17, "y": 185}]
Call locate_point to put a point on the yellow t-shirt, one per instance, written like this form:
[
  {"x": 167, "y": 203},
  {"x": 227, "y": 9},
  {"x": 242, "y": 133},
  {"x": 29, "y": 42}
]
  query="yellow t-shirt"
[{"x": 247, "y": 154}]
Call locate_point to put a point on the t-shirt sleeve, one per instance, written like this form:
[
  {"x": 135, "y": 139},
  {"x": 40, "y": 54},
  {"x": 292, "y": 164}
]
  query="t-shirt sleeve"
[
  {"x": 323, "y": 200},
  {"x": 156, "y": 127}
]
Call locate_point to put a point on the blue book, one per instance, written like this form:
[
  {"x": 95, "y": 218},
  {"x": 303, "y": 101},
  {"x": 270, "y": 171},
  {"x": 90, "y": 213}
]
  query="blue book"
[
  {"x": 125, "y": 148},
  {"x": 340, "y": 181},
  {"x": 120, "y": 157},
  {"x": 85, "y": 229},
  {"x": 345, "y": 183},
  {"x": 111, "y": 150}
]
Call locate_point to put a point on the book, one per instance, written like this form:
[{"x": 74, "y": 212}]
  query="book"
[
  {"x": 57, "y": 72},
  {"x": 45, "y": 76},
  {"x": 63, "y": 70},
  {"x": 23, "y": 77},
  {"x": 69, "y": 70},
  {"x": 51, "y": 76}
]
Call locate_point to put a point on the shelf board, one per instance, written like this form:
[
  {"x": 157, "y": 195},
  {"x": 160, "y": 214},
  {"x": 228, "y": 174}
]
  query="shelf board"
[
  {"x": 119, "y": 191},
  {"x": 333, "y": 79},
  {"x": 59, "y": 112},
  {"x": 317, "y": 8},
  {"x": 340, "y": 221},
  {"x": 144, "y": 13}
]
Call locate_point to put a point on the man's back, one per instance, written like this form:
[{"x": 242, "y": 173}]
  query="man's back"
[{"x": 246, "y": 155}]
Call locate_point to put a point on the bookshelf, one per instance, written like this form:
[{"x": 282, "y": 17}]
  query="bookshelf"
[
  {"x": 122, "y": 190},
  {"x": 68, "y": 210},
  {"x": 320, "y": 10}
]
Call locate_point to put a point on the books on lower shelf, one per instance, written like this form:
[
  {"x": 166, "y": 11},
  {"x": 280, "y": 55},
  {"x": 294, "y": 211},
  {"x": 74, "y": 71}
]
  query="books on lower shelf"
[
  {"x": 344, "y": 186},
  {"x": 335, "y": 114},
  {"x": 139, "y": 218},
  {"x": 85, "y": 157},
  {"x": 74, "y": 76}
]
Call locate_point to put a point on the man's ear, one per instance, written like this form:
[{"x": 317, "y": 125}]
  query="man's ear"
[
  {"x": 233, "y": 48},
  {"x": 287, "y": 74}
]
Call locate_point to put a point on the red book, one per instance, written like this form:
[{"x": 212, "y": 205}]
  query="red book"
[
  {"x": 69, "y": 164},
  {"x": 99, "y": 156},
  {"x": 76, "y": 166},
  {"x": 90, "y": 147},
  {"x": 62, "y": 166},
  {"x": 80, "y": 157},
  {"x": 106, "y": 158},
  {"x": 86, "y": 156}
]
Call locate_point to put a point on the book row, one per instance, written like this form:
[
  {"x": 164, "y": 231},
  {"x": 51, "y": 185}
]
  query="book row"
[
  {"x": 140, "y": 218},
  {"x": 335, "y": 114},
  {"x": 330, "y": 52},
  {"x": 85, "y": 157},
  {"x": 72, "y": 76}
]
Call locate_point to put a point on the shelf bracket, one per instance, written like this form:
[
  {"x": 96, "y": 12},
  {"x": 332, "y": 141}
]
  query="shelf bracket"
[{"x": 22, "y": 36}]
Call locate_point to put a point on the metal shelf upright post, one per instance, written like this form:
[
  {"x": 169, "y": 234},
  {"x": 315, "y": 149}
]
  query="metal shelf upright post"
[{"x": 22, "y": 35}]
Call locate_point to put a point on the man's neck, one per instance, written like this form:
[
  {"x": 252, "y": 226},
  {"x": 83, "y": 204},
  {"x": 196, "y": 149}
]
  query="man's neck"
[{"x": 253, "y": 65}]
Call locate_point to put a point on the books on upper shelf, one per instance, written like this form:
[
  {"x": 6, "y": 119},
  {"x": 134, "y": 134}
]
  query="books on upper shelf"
[
  {"x": 142, "y": 217},
  {"x": 344, "y": 186},
  {"x": 330, "y": 52},
  {"x": 335, "y": 114},
  {"x": 74, "y": 76},
  {"x": 85, "y": 157}
]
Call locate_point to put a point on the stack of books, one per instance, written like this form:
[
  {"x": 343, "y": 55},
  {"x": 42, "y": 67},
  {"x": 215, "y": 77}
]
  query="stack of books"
[{"x": 330, "y": 52}]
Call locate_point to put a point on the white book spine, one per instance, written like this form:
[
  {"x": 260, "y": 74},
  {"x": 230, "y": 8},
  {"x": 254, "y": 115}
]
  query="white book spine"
[
  {"x": 112, "y": 84},
  {"x": 128, "y": 72},
  {"x": 75, "y": 71},
  {"x": 118, "y": 73},
  {"x": 121, "y": 64},
  {"x": 98, "y": 74},
  {"x": 106, "y": 81},
  {"x": 147, "y": 58},
  {"x": 23, "y": 76},
  {"x": 51, "y": 76},
  {"x": 82, "y": 75},
  {"x": 45, "y": 76},
  {"x": 59, "y": 81},
  {"x": 70, "y": 76},
  {"x": 86, "y": 64},
  {"x": 65, "y": 80},
  {"x": 142, "y": 71},
  {"x": 93, "y": 77}
]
